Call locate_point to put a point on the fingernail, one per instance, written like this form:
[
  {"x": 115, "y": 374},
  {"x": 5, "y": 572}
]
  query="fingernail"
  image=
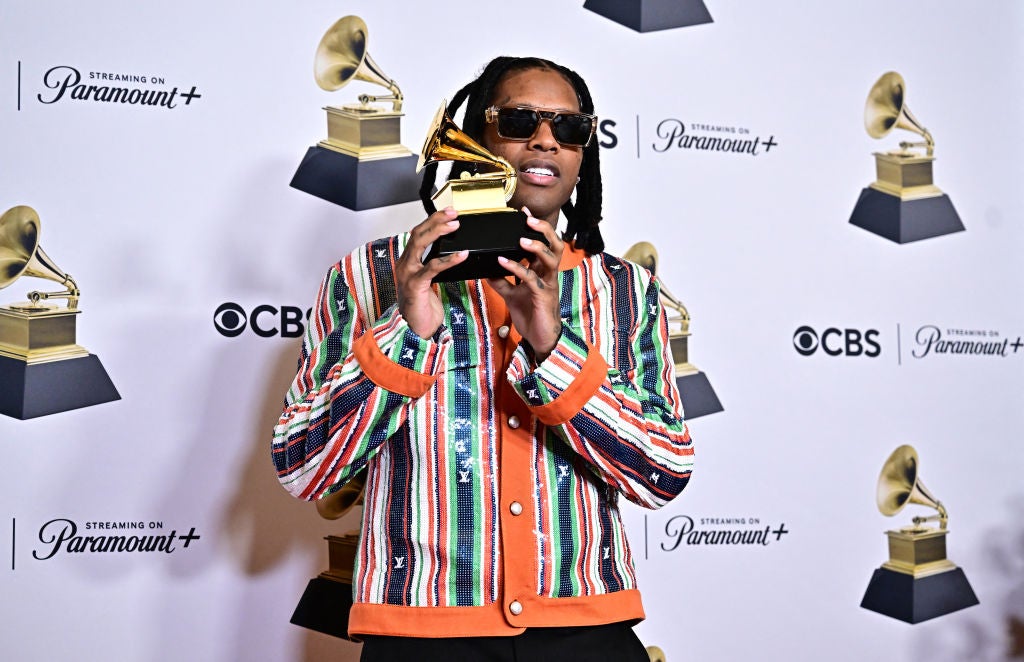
[
  {"x": 463, "y": 253},
  {"x": 502, "y": 259},
  {"x": 527, "y": 210},
  {"x": 533, "y": 221},
  {"x": 525, "y": 242},
  {"x": 450, "y": 211},
  {"x": 453, "y": 224}
]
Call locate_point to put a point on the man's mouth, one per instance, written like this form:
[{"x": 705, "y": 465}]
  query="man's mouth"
[{"x": 538, "y": 174}]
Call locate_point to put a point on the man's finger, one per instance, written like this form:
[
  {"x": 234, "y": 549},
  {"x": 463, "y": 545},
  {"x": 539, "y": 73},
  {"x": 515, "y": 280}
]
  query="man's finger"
[
  {"x": 439, "y": 264},
  {"x": 436, "y": 225},
  {"x": 526, "y": 275}
]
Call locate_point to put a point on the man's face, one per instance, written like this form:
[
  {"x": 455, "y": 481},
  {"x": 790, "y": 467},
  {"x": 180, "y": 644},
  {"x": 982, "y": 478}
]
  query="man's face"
[{"x": 547, "y": 170}]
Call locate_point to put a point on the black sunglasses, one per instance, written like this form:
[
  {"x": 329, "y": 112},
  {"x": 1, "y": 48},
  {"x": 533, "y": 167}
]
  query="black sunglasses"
[{"x": 569, "y": 129}]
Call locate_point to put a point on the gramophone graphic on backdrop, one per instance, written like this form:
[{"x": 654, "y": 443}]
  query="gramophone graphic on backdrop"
[
  {"x": 918, "y": 582},
  {"x": 695, "y": 390},
  {"x": 362, "y": 163},
  {"x": 651, "y": 15},
  {"x": 327, "y": 600},
  {"x": 42, "y": 369},
  {"x": 902, "y": 204}
]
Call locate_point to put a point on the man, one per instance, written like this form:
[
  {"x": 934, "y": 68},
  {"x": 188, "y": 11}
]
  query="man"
[{"x": 498, "y": 420}]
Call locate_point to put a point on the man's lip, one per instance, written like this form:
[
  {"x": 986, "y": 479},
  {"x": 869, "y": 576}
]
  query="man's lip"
[{"x": 535, "y": 178}]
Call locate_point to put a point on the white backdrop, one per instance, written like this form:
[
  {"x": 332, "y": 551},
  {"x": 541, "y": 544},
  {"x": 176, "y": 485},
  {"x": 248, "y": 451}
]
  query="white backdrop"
[{"x": 164, "y": 214}]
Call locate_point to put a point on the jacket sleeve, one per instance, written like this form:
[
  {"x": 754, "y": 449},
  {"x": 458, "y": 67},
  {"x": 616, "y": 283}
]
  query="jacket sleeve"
[
  {"x": 628, "y": 425},
  {"x": 358, "y": 374}
]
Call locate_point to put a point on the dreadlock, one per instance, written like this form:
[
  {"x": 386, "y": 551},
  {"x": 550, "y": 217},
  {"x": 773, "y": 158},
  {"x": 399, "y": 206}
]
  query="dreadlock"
[{"x": 585, "y": 214}]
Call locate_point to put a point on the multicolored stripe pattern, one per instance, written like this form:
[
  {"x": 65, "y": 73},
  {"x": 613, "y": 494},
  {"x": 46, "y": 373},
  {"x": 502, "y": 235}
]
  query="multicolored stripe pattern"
[{"x": 490, "y": 479}]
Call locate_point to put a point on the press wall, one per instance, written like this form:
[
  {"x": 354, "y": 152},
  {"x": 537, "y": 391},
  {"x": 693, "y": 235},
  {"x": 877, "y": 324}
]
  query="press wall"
[{"x": 828, "y": 345}]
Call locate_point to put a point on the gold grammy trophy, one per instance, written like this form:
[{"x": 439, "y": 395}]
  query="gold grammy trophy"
[
  {"x": 918, "y": 582},
  {"x": 487, "y": 228},
  {"x": 42, "y": 368},
  {"x": 695, "y": 390},
  {"x": 651, "y": 15},
  {"x": 902, "y": 204},
  {"x": 362, "y": 163},
  {"x": 326, "y": 602}
]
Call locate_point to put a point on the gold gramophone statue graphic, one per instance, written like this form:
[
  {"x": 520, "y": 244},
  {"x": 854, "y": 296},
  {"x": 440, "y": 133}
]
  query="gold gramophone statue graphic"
[
  {"x": 327, "y": 600},
  {"x": 42, "y": 368},
  {"x": 918, "y": 582},
  {"x": 488, "y": 228},
  {"x": 362, "y": 163},
  {"x": 695, "y": 390},
  {"x": 651, "y": 15},
  {"x": 902, "y": 204}
]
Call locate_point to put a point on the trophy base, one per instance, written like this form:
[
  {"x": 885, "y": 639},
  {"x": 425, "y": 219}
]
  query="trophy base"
[
  {"x": 30, "y": 390},
  {"x": 366, "y": 132},
  {"x": 916, "y": 599},
  {"x": 38, "y": 334},
  {"x": 324, "y": 607},
  {"x": 903, "y": 221},
  {"x": 698, "y": 397},
  {"x": 651, "y": 15},
  {"x": 486, "y": 235},
  {"x": 357, "y": 185}
]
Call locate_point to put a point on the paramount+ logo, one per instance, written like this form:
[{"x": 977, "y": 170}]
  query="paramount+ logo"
[
  {"x": 266, "y": 321},
  {"x": 837, "y": 342}
]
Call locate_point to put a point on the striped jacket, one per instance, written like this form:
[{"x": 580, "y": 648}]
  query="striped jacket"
[{"x": 492, "y": 487}]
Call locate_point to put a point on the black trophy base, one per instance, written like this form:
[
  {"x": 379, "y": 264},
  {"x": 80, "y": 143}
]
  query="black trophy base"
[
  {"x": 345, "y": 180},
  {"x": 904, "y": 221},
  {"x": 698, "y": 397},
  {"x": 485, "y": 235},
  {"x": 911, "y": 600},
  {"x": 40, "y": 389},
  {"x": 651, "y": 15},
  {"x": 324, "y": 607}
]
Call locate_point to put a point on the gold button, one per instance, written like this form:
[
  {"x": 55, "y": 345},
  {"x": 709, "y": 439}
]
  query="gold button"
[
  {"x": 516, "y": 508},
  {"x": 503, "y": 331},
  {"x": 513, "y": 422},
  {"x": 515, "y": 608}
]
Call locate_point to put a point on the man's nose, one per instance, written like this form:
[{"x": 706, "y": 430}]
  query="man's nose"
[{"x": 544, "y": 137}]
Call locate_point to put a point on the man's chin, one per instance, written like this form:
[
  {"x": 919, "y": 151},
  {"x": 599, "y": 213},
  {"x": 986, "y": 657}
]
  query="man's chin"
[{"x": 539, "y": 207}]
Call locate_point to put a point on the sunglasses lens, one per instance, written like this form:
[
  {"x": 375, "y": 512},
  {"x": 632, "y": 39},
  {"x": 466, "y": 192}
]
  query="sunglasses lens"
[
  {"x": 521, "y": 124},
  {"x": 573, "y": 129},
  {"x": 517, "y": 123}
]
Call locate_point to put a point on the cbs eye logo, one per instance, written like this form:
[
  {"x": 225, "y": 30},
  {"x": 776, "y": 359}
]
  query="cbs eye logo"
[
  {"x": 231, "y": 320},
  {"x": 837, "y": 342}
]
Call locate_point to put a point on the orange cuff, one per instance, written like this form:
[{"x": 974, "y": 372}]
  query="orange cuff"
[
  {"x": 582, "y": 388},
  {"x": 387, "y": 374}
]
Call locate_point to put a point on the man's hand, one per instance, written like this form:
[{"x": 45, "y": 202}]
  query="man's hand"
[
  {"x": 417, "y": 301},
  {"x": 533, "y": 300}
]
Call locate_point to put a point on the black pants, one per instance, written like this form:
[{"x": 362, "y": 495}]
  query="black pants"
[{"x": 599, "y": 643}]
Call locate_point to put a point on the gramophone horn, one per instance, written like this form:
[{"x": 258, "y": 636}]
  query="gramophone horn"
[
  {"x": 655, "y": 654},
  {"x": 646, "y": 255},
  {"x": 342, "y": 56},
  {"x": 336, "y": 504},
  {"x": 447, "y": 142},
  {"x": 900, "y": 484},
  {"x": 21, "y": 254},
  {"x": 886, "y": 109}
]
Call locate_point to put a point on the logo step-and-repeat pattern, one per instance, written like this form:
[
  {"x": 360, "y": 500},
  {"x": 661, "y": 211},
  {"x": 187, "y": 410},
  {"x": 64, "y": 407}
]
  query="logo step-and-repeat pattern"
[
  {"x": 264, "y": 320},
  {"x": 910, "y": 342},
  {"x": 199, "y": 185},
  {"x": 63, "y": 537},
  {"x": 66, "y": 84},
  {"x": 686, "y": 530},
  {"x": 669, "y": 135}
]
